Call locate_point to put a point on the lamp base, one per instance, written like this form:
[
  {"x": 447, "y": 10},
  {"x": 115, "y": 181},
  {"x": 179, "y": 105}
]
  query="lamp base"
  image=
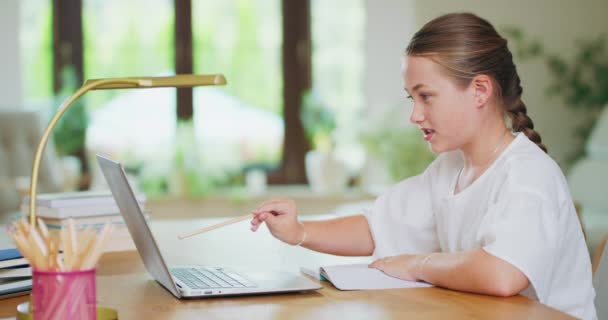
[{"x": 103, "y": 313}]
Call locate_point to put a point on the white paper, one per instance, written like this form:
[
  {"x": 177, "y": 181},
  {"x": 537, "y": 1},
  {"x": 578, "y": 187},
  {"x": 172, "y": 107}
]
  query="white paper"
[{"x": 361, "y": 277}]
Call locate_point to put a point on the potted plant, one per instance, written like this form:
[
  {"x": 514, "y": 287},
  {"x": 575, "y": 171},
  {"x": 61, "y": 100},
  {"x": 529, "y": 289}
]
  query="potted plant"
[{"x": 324, "y": 170}]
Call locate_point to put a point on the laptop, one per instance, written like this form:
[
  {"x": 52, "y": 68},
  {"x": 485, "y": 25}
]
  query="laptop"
[{"x": 190, "y": 281}]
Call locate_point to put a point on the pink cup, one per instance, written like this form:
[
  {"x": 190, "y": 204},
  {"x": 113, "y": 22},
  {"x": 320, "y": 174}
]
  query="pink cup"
[{"x": 64, "y": 295}]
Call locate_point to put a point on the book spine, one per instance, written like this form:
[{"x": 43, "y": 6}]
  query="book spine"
[
  {"x": 97, "y": 226},
  {"x": 78, "y": 201},
  {"x": 73, "y": 212}
]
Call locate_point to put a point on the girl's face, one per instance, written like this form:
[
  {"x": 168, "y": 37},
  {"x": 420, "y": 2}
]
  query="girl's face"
[{"x": 445, "y": 113}]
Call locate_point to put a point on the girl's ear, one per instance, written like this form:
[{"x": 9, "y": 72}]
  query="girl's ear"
[{"x": 483, "y": 88}]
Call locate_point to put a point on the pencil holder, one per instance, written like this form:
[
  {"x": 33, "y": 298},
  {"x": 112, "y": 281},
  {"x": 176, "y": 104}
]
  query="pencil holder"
[{"x": 64, "y": 295}]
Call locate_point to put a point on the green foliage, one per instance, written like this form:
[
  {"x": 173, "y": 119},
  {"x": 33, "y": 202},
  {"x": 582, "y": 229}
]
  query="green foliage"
[
  {"x": 153, "y": 185},
  {"x": 39, "y": 60},
  {"x": 581, "y": 82},
  {"x": 402, "y": 149},
  {"x": 189, "y": 175},
  {"x": 524, "y": 48},
  {"x": 69, "y": 135},
  {"x": 318, "y": 120},
  {"x": 125, "y": 47},
  {"x": 240, "y": 39}
]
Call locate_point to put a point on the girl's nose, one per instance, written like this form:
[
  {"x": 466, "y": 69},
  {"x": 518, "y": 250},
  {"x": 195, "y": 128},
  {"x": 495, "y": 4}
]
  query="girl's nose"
[{"x": 417, "y": 115}]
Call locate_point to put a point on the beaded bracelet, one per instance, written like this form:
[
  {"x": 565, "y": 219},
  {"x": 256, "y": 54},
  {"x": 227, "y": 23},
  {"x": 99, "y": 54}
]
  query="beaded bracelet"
[
  {"x": 424, "y": 261},
  {"x": 303, "y": 237}
]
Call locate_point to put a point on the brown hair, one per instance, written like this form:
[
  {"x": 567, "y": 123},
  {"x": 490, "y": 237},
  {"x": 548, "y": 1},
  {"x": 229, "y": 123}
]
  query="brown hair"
[{"x": 467, "y": 45}]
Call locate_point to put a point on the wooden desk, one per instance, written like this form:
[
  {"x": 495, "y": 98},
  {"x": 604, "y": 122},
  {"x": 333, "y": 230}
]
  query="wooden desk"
[{"x": 123, "y": 283}]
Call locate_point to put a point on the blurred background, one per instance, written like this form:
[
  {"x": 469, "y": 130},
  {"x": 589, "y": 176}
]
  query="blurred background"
[{"x": 314, "y": 107}]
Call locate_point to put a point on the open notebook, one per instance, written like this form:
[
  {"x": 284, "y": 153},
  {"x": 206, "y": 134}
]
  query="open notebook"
[{"x": 360, "y": 277}]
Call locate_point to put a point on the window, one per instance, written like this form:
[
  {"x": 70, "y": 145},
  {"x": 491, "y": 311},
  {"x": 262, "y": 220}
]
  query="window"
[
  {"x": 240, "y": 124},
  {"x": 36, "y": 51},
  {"x": 337, "y": 68},
  {"x": 258, "y": 46},
  {"x": 122, "y": 39}
]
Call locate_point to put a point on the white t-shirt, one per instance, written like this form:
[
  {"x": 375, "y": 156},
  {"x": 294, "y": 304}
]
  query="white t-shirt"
[{"x": 519, "y": 210}]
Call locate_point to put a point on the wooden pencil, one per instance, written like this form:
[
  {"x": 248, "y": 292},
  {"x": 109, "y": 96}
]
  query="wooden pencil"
[{"x": 215, "y": 226}]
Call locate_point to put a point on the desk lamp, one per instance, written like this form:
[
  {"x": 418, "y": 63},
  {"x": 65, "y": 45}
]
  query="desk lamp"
[{"x": 177, "y": 81}]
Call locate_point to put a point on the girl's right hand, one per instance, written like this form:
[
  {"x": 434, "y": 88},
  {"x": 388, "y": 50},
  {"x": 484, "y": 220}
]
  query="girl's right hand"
[{"x": 281, "y": 218}]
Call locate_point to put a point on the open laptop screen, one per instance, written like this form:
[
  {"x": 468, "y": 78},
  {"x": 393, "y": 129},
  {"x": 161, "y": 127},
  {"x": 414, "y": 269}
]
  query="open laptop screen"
[{"x": 136, "y": 222}]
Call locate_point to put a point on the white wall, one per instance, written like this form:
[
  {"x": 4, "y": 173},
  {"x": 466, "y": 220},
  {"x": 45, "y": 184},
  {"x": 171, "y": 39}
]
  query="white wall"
[
  {"x": 10, "y": 75},
  {"x": 558, "y": 23},
  {"x": 389, "y": 26}
]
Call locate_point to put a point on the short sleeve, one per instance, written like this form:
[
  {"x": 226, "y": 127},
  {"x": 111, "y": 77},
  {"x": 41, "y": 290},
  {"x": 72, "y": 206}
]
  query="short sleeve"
[
  {"x": 521, "y": 229},
  {"x": 401, "y": 220}
]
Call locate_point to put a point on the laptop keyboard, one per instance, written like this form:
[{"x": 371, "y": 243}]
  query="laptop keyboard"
[{"x": 206, "y": 278}]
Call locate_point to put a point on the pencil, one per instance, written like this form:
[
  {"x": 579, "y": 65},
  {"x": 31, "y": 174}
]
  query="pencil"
[
  {"x": 215, "y": 226},
  {"x": 97, "y": 250}
]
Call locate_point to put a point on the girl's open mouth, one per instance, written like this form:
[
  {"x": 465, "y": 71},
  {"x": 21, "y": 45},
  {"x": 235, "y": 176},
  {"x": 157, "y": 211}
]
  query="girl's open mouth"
[{"x": 428, "y": 133}]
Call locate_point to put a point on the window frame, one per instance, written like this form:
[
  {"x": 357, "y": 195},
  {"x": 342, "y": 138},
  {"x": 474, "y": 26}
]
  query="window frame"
[{"x": 68, "y": 50}]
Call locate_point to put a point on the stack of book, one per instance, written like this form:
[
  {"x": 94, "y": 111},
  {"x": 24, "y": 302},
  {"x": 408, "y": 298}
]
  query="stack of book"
[
  {"x": 15, "y": 274},
  {"x": 88, "y": 210}
]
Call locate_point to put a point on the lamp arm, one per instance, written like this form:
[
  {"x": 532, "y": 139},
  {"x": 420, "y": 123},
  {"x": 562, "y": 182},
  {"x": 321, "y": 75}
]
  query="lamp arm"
[{"x": 45, "y": 136}]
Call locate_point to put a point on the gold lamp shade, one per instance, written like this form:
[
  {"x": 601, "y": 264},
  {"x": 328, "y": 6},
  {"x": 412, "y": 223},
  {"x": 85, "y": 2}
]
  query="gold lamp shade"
[{"x": 177, "y": 81}]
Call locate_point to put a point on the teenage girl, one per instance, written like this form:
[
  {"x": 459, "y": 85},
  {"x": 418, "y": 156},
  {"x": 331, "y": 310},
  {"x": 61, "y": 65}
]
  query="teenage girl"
[{"x": 492, "y": 214}]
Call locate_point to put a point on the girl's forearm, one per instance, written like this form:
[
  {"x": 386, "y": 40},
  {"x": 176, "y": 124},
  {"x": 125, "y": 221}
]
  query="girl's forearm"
[
  {"x": 348, "y": 236},
  {"x": 473, "y": 271}
]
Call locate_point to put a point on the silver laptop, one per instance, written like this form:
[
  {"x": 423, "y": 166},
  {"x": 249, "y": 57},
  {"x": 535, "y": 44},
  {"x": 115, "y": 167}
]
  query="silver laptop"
[{"x": 190, "y": 281}]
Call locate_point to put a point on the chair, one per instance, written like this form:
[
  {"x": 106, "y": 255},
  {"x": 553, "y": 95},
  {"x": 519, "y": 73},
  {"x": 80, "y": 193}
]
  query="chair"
[
  {"x": 20, "y": 131},
  {"x": 597, "y": 253},
  {"x": 600, "y": 279}
]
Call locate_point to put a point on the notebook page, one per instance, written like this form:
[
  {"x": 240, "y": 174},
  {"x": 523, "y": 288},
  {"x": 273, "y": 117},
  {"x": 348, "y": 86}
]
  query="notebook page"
[{"x": 361, "y": 277}]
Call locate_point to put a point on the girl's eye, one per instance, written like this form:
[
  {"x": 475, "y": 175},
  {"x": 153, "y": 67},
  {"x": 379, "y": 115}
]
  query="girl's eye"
[{"x": 425, "y": 97}]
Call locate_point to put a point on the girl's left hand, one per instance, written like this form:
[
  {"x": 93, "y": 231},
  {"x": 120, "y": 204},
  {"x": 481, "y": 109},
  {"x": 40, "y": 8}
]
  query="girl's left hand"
[{"x": 405, "y": 266}]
